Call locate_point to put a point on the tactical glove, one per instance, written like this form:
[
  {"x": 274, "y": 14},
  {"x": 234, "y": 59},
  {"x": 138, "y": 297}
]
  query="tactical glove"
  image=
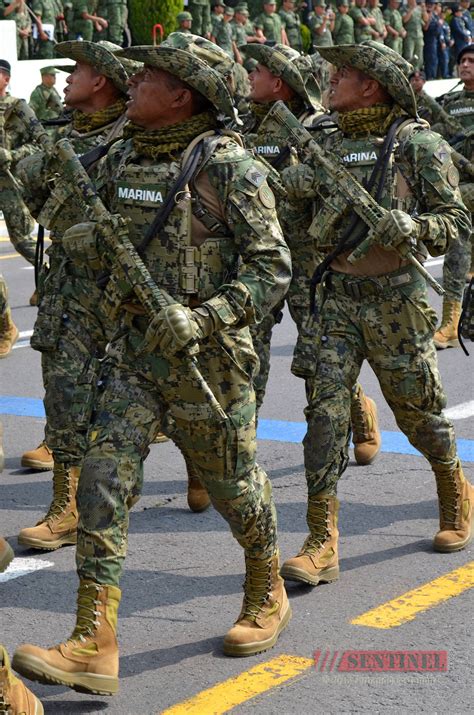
[
  {"x": 5, "y": 158},
  {"x": 397, "y": 228},
  {"x": 298, "y": 181},
  {"x": 176, "y": 327}
]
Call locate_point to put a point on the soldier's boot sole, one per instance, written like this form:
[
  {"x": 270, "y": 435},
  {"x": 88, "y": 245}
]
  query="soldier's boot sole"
[
  {"x": 35, "y": 669},
  {"x": 241, "y": 650},
  {"x": 67, "y": 540},
  {"x": 454, "y": 343},
  {"x": 37, "y": 465},
  {"x": 293, "y": 573},
  {"x": 457, "y": 545},
  {"x": 13, "y": 341}
]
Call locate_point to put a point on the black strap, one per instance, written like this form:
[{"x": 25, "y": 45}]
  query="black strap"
[
  {"x": 92, "y": 156},
  {"x": 39, "y": 252},
  {"x": 467, "y": 308},
  {"x": 59, "y": 122},
  {"x": 357, "y": 228}
]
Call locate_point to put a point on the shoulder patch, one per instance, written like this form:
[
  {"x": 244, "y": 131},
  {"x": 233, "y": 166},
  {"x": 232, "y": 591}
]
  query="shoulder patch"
[
  {"x": 267, "y": 197},
  {"x": 453, "y": 176},
  {"x": 254, "y": 176},
  {"x": 441, "y": 154}
]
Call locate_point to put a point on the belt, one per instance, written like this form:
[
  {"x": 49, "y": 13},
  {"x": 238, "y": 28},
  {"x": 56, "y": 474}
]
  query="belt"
[{"x": 358, "y": 288}]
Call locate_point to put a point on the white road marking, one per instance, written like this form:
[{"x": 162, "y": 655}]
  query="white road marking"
[
  {"x": 22, "y": 567},
  {"x": 24, "y": 341},
  {"x": 434, "y": 262},
  {"x": 461, "y": 411},
  {"x": 27, "y": 268}
]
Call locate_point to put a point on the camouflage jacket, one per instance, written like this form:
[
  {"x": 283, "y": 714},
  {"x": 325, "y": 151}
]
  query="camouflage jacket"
[
  {"x": 46, "y": 102},
  {"x": 14, "y": 135},
  {"x": 242, "y": 257}
]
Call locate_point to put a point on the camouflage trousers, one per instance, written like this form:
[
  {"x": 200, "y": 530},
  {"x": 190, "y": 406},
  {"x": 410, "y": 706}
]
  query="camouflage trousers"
[
  {"x": 413, "y": 51},
  {"x": 391, "y": 328},
  {"x": 71, "y": 334},
  {"x": 457, "y": 261},
  {"x": 116, "y": 17},
  {"x": 261, "y": 337},
  {"x": 3, "y": 295},
  {"x": 18, "y": 220},
  {"x": 138, "y": 395},
  {"x": 201, "y": 13}
]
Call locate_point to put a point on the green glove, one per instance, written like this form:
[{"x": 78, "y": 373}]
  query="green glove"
[
  {"x": 177, "y": 327},
  {"x": 397, "y": 228},
  {"x": 5, "y": 158},
  {"x": 298, "y": 181}
]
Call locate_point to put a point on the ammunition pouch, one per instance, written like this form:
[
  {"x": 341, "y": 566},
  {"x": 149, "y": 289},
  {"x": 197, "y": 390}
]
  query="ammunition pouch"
[
  {"x": 48, "y": 325},
  {"x": 85, "y": 394},
  {"x": 305, "y": 352},
  {"x": 80, "y": 245}
]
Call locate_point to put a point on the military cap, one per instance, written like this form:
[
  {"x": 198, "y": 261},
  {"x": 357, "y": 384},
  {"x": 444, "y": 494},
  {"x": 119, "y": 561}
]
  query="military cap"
[
  {"x": 319, "y": 3},
  {"x": 345, "y": 3},
  {"x": 5, "y": 66},
  {"x": 99, "y": 57},
  {"x": 187, "y": 67},
  {"x": 379, "y": 62},
  {"x": 229, "y": 11},
  {"x": 48, "y": 70},
  {"x": 218, "y": 3},
  {"x": 182, "y": 16},
  {"x": 464, "y": 51},
  {"x": 242, "y": 10},
  {"x": 293, "y": 68}
]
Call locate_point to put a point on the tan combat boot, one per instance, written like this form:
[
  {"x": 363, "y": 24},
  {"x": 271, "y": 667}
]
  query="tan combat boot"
[
  {"x": 15, "y": 698},
  {"x": 34, "y": 298},
  {"x": 6, "y": 555},
  {"x": 365, "y": 428},
  {"x": 59, "y": 526},
  {"x": 318, "y": 559},
  {"x": 456, "y": 506},
  {"x": 265, "y": 610},
  {"x": 198, "y": 498},
  {"x": 447, "y": 334},
  {"x": 40, "y": 459},
  {"x": 8, "y": 333},
  {"x": 89, "y": 660}
]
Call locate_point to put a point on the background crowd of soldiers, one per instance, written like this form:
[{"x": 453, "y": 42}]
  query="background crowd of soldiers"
[{"x": 97, "y": 443}]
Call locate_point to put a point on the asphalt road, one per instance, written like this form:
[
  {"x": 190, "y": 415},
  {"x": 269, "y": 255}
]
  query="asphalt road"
[{"x": 183, "y": 575}]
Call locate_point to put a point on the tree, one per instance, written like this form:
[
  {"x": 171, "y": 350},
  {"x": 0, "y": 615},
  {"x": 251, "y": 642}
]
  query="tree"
[{"x": 143, "y": 14}]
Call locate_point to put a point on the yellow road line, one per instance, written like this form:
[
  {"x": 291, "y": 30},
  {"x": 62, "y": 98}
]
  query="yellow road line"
[
  {"x": 227, "y": 695},
  {"x": 407, "y": 606},
  {"x": 10, "y": 255}
]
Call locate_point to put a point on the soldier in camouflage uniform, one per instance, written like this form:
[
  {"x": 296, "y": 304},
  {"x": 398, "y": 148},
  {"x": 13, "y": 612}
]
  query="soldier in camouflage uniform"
[
  {"x": 46, "y": 11},
  {"x": 378, "y": 30},
  {"x": 363, "y": 22},
  {"x": 116, "y": 16},
  {"x": 70, "y": 330},
  {"x": 18, "y": 12},
  {"x": 321, "y": 24},
  {"x": 414, "y": 17},
  {"x": 86, "y": 21},
  {"x": 224, "y": 280},
  {"x": 224, "y": 36},
  {"x": 282, "y": 74},
  {"x": 201, "y": 16},
  {"x": 45, "y": 100},
  {"x": 292, "y": 23},
  {"x": 269, "y": 25},
  {"x": 377, "y": 309},
  {"x": 8, "y": 331},
  {"x": 15, "y": 143},
  {"x": 458, "y": 129},
  {"x": 343, "y": 33},
  {"x": 394, "y": 24}
]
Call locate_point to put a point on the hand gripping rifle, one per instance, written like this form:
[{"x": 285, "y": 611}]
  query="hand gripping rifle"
[
  {"x": 333, "y": 174},
  {"x": 130, "y": 272}
]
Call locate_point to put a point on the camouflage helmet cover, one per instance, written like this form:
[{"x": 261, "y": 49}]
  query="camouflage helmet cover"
[
  {"x": 382, "y": 64},
  {"x": 98, "y": 56},
  {"x": 187, "y": 67},
  {"x": 293, "y": 68}
]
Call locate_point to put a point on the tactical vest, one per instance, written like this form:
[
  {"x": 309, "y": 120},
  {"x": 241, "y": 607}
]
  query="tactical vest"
[
  {"x": 461, "y": 108},
  {"x": 190, "y": 273},
  {"x": 359, "y": 155},
  {"x": 6, "y": 107}
]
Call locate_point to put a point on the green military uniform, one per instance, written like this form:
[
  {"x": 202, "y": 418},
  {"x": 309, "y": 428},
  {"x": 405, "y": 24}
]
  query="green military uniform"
[
  {"x": 201, "y": 12},
  {"x": 22, "y": 20},
  {"x": 101, "y": 10},
  {"x": 325, "y": 38},
  {"x": 224, "y": 35},
  {"x": 413, "y": 42},
  {"x": 239, "y": 33},
  {"x": 393, "y": 18},
  {"x": 379, "y": 26},
  {"x": 16, "y": 142},
  {"x": 46, "y": 10},
  {"x": 271, "y": 26},
  {"x": 361, "y": 32},
  {"x": 45, "y": 101},
  {"x": 377, "y": 309},
  {"x": 116, "y": 16},
  {"x": 343, "y": 33},
  {"x": 292, "y": 24},
  {"x": 82, "y": 28}
]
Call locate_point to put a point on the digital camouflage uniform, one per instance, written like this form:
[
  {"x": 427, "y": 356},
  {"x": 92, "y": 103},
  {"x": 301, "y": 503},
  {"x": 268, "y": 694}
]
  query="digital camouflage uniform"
[
  {"x": 292, "y": 24},
  {"x": 379, "y": 26},
  {"x": 46, "y": 102},
  {"x": 82, "y": 28},
  {"x": 21, "y": 18},
  {"x": 47, "y": 11},
  {"x": 393, "y": 18},
  {"x": 116, "y": 17},
  {"x": 413, "y": 42},
  {"x": 343, "y": 33},
  {"x": 378, "y": 310},
  {"x": 224, "y": 36},
  {"x": 271, "y": 26},
  {"x": 314, "y": 23},
  {"x": 361, "y": 32},
  {"x": 201, "y": 12},
  {"x": 15, "y": 139},
  {"x": 233, "y": 275}
]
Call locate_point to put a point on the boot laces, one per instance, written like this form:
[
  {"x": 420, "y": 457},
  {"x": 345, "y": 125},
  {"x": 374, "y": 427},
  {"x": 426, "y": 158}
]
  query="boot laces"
[
  {"x": 360, "y": 425},
  {"x": 318, "y": 522},
  {"x": 448, "y": 499},
  {"x": 87, "y": 613},
  {"x": 257, "y": 586},
  {"x": 61, "y": 493}
]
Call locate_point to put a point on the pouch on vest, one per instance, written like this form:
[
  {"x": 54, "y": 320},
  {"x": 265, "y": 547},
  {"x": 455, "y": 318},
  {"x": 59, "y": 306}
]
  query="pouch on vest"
[{"x": 48, "y": 325}]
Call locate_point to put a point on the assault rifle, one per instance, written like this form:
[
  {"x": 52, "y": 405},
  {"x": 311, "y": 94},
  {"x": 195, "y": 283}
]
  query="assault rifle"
[
  {"x": 333, "y": 174},
  {"x": 129, "y": 273}
]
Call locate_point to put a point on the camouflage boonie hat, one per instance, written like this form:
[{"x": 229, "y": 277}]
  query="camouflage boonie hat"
[
  {"x": 99, "y": 57},
  {"x": 206, "y": 50},
  {"x": 293, "y": 68},
  {"x": 190, "y": 69},
  {"x": 130, "y": 66},
  {"x": 379, "y": 62}
]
